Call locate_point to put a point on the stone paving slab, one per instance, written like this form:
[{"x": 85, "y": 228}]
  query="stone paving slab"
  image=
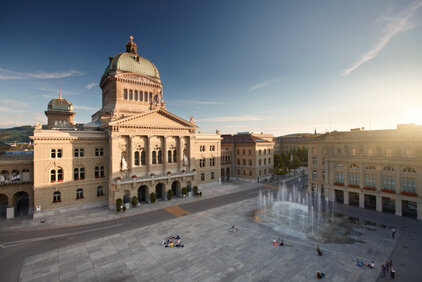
[{"x": 211, "y": 253}]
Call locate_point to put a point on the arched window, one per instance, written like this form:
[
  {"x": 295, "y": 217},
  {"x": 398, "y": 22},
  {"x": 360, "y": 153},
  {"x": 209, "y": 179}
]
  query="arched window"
[
  {"x": 250, "y": 162},
  {"x": 81, "y": 152},
  {"x": 141, "y": 96},
  {"x": 388, "y": 169},
  {"x": 102, "y": 173},
  {"x": 212, "y": 175},
  {"x": 169, "y": 156},
  {"x": 16, "y": 176},
  {"x": 130, "y": 95},
  {"x": 59, "y": 175},
  {"x": 146, "y": 96},
  {"x": 59, "y": 153},
  {"x": 244, "y": 162},
  {"x": 136, "y": 95},
  {"x": 79, "y": 193},
  {"x": 57, "y": 197},
  {"x": 238, "y": 162},
  {"x": 174, "y": 156},
  {"x": 265, "y": 161},
  {"x": 97, "y": 172},
  {"x": 260, "y": 163},
  {"x": 100, "y": 191},
  {"x": 143, "y": 158},
  {"x": 76, "y": 174},
  {"x": 53, "y": 153},
  {"x": 150, "y": 96},
  {"x": 125, "y": 94},
  {"x": 154, "y": 157},
  {"x": 156, "y": 98},
  {"x": 269, "y": 160},
  {"x": 82, "y": 173},
  {"x": 159, "y": 157},
  {"x": 265, "y": 151},
  {"x": 409, "y": 170},
  {"x": 259, "y": 152},
  {"x": 76, "y": 153},
  {"x": 53, "y": 176},
  {"x": 354, "y": 166},
  {"x": 136, "y": 158}
]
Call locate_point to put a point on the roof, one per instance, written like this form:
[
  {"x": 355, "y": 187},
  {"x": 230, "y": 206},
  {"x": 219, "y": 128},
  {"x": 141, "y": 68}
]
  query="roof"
[
  {"x": 132, "y": 63},
  {"x": 60, "y": 104},
  {"x": 242, "y": 138}
]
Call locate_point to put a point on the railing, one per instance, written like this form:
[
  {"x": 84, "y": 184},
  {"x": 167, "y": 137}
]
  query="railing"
[
  {"x": 14, "y": 182},
  {"x": 129, "y": 180}
]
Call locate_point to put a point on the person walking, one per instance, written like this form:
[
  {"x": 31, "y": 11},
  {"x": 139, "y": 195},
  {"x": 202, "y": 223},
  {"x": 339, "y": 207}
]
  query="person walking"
[
  {"x": 393, "y": 272},
  {"x": 383, "y": 271},
  {"x": 391, "y": 264},
  {"x": 393, "y": 232}
]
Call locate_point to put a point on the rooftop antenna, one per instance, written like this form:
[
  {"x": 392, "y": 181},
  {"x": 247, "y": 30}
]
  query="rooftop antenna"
[{"x": 60, "y": 89}]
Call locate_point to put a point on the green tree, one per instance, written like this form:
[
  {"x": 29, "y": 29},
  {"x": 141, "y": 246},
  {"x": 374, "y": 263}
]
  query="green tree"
[
  {"x": 169, "y": 194},
  {"x": 119, "y": 202},
  {"x": 152, "y": 197}
]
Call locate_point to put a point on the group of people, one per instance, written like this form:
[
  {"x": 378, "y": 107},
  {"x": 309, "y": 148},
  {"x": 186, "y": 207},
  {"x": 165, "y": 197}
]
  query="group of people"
[
  {"x": 388, "y": 266},
  {"x": 361, "y": 263},
  {"x": 233, "y": 228},
  {"x": 172, "y": 241},
  {"x": 278, "y": 242}
]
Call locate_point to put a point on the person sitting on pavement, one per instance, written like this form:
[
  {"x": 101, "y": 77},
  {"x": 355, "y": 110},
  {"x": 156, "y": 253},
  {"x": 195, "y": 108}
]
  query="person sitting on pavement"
[
  {"x": 320, "y": 274},
  {"x": 233, "y": 228},
  {"x": 372, "y": 265}
]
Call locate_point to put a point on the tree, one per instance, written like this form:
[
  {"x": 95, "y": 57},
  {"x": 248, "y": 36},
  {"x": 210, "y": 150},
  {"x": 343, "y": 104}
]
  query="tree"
[
  {"x": 152, "y": 197},
  {"x": 134, "y": 201},
  {"x": 119, "y": 202},
  {"x": 169, "y": 194}
]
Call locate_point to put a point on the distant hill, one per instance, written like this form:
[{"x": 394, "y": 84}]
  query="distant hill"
[{"x": 18, "y": 134}]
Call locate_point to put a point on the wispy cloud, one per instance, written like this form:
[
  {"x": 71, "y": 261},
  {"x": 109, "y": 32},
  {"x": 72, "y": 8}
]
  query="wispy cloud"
[
  {"x": 395, "y": 25},
  {"x": 8, "y": 102},
  {"x": 10, "y": 123},
  {"x": 9, "y": 74},
  {"x": 4, "y": 109},
  {"x": 233, "y": 118},
  {"x": 194, "y": 102},
  {"x": 84, "y": 108},
  {"x": 263, "y": 84},
  {"x": 48, "y": 96},
  {"x": 90, "y": 85}
]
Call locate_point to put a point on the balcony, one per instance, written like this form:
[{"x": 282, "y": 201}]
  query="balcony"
[
  {"x": 370, "y": 188},
  {"x": 353, "y": 186},
  {"x": 388, "y": 191},
  {"x": 130, "y": 180},
  {"x": 14, "y": 182},
  {"x": 338, "y": 184},
  {"x": 412, "y": 194}
]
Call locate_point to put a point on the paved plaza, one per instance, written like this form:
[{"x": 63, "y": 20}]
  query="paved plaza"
[{"x": 212, "y": 253}]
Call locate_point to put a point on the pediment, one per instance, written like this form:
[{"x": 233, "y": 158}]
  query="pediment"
[
  {"x": 137, "y": 78},
  {"x": 158, "y": 119}
]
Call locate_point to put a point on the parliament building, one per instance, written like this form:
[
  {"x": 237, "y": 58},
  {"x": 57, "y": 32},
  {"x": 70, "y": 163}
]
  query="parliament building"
[{"x": 132, "y": 147}]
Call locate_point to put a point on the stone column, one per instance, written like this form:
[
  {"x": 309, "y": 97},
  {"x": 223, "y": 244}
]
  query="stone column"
[
  {"x": 361, "y": 176},
  {"x": 361, "y": 200},
  {"x": 346, "y": 174},
  {"x": 180, "y": 154},
  {"x": 164, "y": 156},
  {"x": 379, "y": 179},
  {"x": 149, "y": 155},
  {"x": 130, "y": 157},
  {"x": 346, "y": 197},
  {"x": 398, "y": 206},
  {"x": 398, "y": 181},
  {"x": 379, "y": 203},
  {"x": 419, "y": 211},
  {"x": 190, "y": 153}
]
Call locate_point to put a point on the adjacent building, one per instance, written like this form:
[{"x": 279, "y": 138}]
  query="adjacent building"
[
  {"x": 247, "y": 156},
  {"x": 376, "y": 169}
]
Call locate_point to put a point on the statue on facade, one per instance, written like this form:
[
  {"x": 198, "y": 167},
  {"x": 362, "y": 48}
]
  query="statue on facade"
[
  {"x": 185, "y": 159},
  {"x": 192, "y": 120},
  {"x": 123, "y": 164}
]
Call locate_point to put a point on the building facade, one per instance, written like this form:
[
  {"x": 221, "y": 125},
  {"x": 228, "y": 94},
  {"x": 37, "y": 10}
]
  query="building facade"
[
  {"x": 378, "y": 169},
  {"x": 247, "y": 156},
  {"x": 132, "y": 147}
]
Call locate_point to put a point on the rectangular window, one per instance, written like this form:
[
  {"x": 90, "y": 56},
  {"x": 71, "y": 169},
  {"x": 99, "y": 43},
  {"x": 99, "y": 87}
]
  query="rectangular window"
[
  {"x": 314, "y": 161},
  {"x": 370, "y": 180},
  {"x": 388, "y": 182},
  {"x": 354, "y": 178},
  {"x": 212, "y": 148},
  {"x": 202, "y": 176},
  {"x": 212, "y": 175},
  {"x": 340, "y": 177},
  {"x": 408, "y": 185}
]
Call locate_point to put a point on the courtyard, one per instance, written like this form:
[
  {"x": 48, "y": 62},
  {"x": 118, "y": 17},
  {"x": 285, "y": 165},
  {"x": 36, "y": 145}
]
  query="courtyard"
[{"x": 212, "y": 253}]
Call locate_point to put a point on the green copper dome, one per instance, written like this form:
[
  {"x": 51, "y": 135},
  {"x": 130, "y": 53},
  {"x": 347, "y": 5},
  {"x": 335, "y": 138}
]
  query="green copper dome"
[
  {"x": 132, "y": 63},
  {"x": 60, "y": 104}
]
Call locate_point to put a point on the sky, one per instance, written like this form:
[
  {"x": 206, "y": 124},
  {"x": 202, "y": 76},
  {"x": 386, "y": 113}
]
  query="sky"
[{"x": 277, "y": 67}]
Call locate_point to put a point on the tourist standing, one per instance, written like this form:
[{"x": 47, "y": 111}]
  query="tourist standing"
[{"x": 393, "y": 232}]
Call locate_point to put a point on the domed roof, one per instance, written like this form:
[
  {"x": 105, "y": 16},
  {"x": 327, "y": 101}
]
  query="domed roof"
[
  {"x": 133, "y": 63},
  {"x": 60, "y": 104},
  {"x": 130, "y": 61}
]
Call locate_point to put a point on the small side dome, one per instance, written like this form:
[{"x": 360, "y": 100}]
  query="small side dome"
[{"x": 60, "y": 104}]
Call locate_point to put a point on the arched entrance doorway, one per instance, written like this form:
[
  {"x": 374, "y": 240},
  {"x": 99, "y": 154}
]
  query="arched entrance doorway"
[
  {"x": 223, "y": 177},
  {"x": 189, "y": 187},
  {"x": 175, "y": 187},
  {"x": 228, "y": 174},
  {"x": 159, "y": 190},
  {"x": 126, "y": 197},
  {"x": 3, "y": 205},
  {"x": 21, "y": 201},
  {"x": 143, "y": 193}
]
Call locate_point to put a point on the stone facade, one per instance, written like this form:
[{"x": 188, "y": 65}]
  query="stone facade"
[
  {"x": 379, "y": 169},
  {"x": 285, "y": 144},
  {"x": 247, "y": 156}
]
